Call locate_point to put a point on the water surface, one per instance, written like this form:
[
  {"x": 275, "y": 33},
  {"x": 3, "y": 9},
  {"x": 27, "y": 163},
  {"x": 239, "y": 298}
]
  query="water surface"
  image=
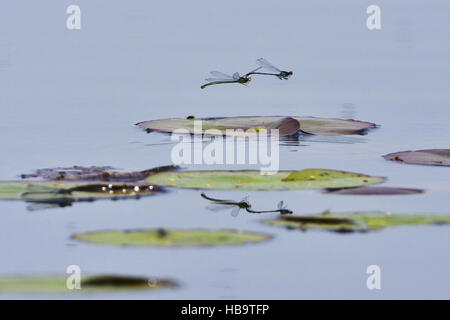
[{"x": 72, "y": 97}]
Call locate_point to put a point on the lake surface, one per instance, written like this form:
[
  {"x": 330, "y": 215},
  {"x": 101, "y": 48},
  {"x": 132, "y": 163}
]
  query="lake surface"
[{"x": 73, "y": 97}]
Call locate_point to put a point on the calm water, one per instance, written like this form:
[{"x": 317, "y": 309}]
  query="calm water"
[{"x": 72, "y": 97}]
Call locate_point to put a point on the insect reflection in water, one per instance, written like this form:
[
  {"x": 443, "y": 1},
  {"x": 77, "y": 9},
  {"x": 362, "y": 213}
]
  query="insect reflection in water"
[
  {"x": 220, "y": 205},
  {"x": 225, "y": 205}
]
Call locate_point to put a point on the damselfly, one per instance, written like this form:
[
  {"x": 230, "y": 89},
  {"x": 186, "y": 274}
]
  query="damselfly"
[
  {"x": 264, "y": 64},
  {"x": 220, "y": 77},
  {"x": 225, "y": 205},
  {"x": 281, "y": 209}
]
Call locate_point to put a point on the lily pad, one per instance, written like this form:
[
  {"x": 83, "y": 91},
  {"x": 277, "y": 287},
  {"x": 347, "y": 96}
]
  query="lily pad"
[
  {"x": 433, "y": 157},
  {"x": 356, "y": 221},
  {"x": 47, "y": 284},
  {"x": 172, "y": 237},
  {"x": 286, "y": 125},
  {"x": 94, "y": 173},
  {"x": 370, "y": 190},
  {"x": 253, "y": 180},
  {"x": 43, "y": 190}
]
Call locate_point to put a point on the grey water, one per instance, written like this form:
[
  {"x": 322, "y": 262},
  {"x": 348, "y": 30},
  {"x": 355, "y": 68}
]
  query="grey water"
[{"x": 72, "y": 97}]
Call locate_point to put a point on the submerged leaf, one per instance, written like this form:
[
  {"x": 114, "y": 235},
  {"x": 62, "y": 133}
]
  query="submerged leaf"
[
  {"x": 171, "y": 237},
  {"x": 433, "y": 157},
  {"x": 287, "y": 125},
  {"x": 253, "y": 180},
  {"x": 366, "y": 191},
  {"x": 43, "y": 284},
  {"x": 356, "y": 221}
]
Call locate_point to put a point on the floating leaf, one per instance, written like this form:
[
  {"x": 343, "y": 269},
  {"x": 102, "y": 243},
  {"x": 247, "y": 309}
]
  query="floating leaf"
[
  {"x": 68, "y": 192},
  {"x": 334, "y": 127},
  {"x": 373, "y": 191},
  {"x": 94, "y": 173},
  {"x": 286, "y": 125},
  {"x": 100, "y": 283},
  {"x": 433, "y": 157},
  {"x": 356, "y": 221},
  {"x": 171, "y": 237},
  {"x": 76, "y": 184},
  {"x": 254, "y": 180}
]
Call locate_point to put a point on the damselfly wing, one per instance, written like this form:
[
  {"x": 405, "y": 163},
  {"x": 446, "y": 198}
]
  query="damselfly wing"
[
  {"x": 264, "y": 64},
  {"x": 243, "y": 204},
  {"x": 220, "y": 76},
  {"x": 282, "y": 208},
  {"x": 267, "y": 65},
  {"x": 217, "y": 207},
  {"x": 222, "y": 205}
]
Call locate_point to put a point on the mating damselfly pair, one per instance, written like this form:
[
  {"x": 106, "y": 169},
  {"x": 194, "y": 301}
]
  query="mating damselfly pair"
[
  {"x": 219, "y": 205},
  {"x": 264, "y": 65}
]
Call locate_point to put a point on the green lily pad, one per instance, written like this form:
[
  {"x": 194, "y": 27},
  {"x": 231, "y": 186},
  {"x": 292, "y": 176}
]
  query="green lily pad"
[
  {"x": 432, "y": 157},
  {"x": 44, "y": 190},
  {"x": 56, "y": 284},
  {"x": 171, "y": 237},
  {"x": 254, "y": 180},
  {"x": 377, "y": 191},
  {"x": 356, "y": 221},
  {"x": 286, "y": 125}
]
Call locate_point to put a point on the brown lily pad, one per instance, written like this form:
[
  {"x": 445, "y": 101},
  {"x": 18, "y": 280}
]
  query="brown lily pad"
[
  {"x": 286, "y": 125},
  {"x": 378, "y": 191},
  {"x": 94, "y": 173},
  {"x": 432, "y": 157}
]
